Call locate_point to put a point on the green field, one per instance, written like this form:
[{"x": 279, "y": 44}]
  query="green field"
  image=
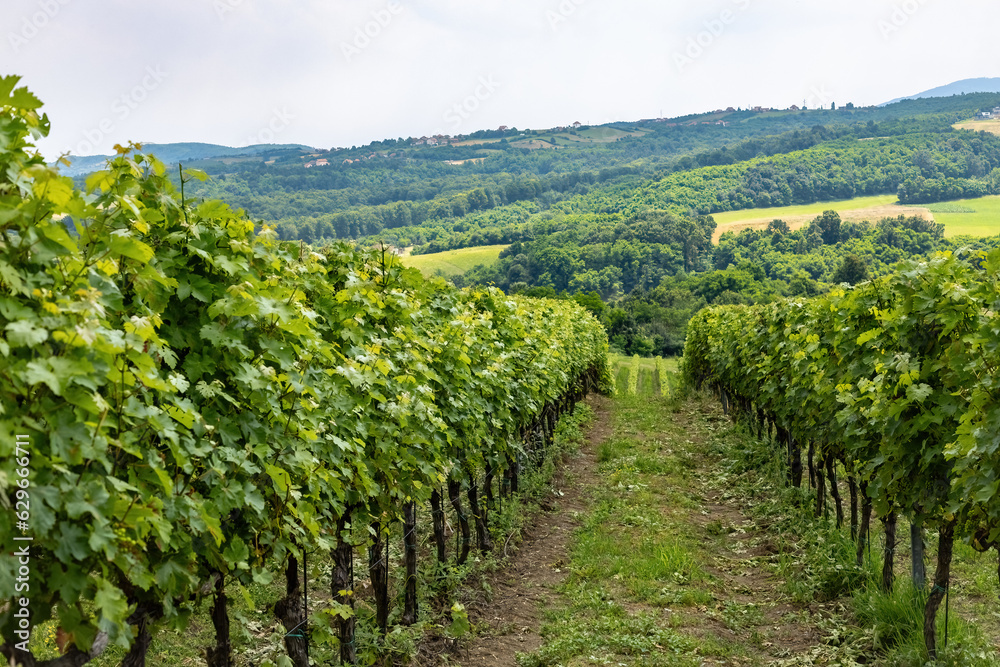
[
  {"x": 649, "y": 381},
  {"x": 454, "y": 262},
  {"x": 599, "y": 135},
  {"x": 976, "y": 217}
]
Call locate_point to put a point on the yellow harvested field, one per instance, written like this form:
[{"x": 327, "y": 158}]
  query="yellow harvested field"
[
  {"x": 852, "y": 210},
  {"x": 991, "y": 125}
]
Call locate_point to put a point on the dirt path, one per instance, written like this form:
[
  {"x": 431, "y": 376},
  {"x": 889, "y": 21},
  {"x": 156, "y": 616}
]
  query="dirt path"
[
  {"x": 747, "y": 618},
  {"x": 529, "y": 582}
]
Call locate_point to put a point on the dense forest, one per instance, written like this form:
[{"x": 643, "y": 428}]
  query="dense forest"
[{"x": 647, "y": 277}]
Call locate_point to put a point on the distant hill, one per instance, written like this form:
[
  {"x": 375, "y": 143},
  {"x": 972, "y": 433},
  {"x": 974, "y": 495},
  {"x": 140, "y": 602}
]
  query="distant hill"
[
  {"x": 963, "y": 87},
  {"x": 179, "y": 152}
]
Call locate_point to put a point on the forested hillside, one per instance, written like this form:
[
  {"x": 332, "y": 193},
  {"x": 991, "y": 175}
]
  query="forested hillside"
[{"x": 412, "y": 194}]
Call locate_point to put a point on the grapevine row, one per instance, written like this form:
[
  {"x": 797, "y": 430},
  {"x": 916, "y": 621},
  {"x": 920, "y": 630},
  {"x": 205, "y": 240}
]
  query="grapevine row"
[
  {"x": 897, "y": 379},
  {"x": 203, "y": 401}
]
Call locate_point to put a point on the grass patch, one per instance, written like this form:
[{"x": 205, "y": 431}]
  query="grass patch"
[
  {"x": 972, "y": 217},
  {"x": 896, "y": 623},
  {"x": 949, "y": 207},
  {"x": 597, "y": 631},
  {"x": 453, "y": 262}
]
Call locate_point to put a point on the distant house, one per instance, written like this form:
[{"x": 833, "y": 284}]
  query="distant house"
[
  {"x": 794, "y": 107},
  {"x": 503, "y": 128},
  {"x": 577, "y": 125},
  {"x": 758, "y": 109},
  {"x": 730, "y": 109},
  {"x": 432, "y": 142}
]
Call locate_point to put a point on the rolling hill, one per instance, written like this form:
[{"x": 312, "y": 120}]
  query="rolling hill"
[{"x": 180, "y": 152}]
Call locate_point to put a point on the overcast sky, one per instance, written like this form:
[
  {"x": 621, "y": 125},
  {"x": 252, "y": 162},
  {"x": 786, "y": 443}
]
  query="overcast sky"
[{"x": 341, "y": 72}]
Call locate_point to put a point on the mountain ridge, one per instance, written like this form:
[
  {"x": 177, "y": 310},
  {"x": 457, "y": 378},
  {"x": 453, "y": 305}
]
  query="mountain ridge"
[{"x": 962, "y": 87}]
